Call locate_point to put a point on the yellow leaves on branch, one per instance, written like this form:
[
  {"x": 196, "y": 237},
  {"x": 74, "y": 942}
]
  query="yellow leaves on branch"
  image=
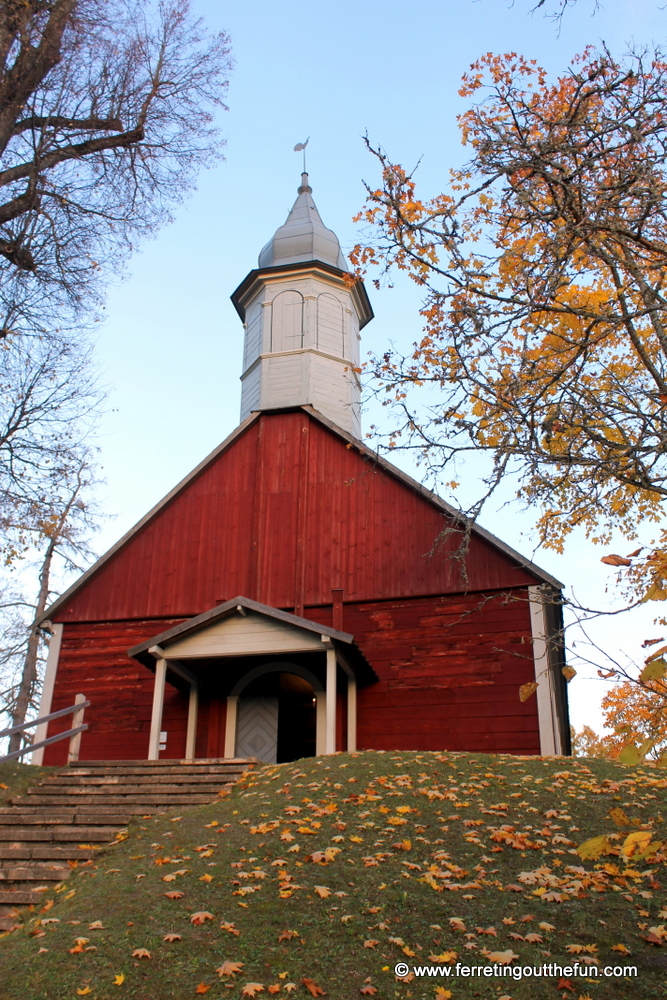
[{"x": 548, "y": 347}]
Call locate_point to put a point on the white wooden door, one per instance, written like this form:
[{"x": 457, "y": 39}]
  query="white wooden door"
[{"x": 257, "y": 729}]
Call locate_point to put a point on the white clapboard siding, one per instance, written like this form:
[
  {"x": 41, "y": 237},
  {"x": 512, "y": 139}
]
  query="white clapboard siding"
[
  {"x": 241, "y": 635},
  {"x": 257, "y": 729},
  {"x": 334, "y": 391},
  {"x": 253, "y": 335},
  {"x": 250, "y": 392},
  {"x": 285, "y": 380}
]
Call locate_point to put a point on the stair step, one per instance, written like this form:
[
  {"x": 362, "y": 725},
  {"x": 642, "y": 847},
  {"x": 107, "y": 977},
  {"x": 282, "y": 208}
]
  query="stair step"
[
  {"x": 174, "y": 777},
  {"x": 76, "y": 809},
  {"x": 122, "y": 788},
  {"x": 46, "y": 853},
  {"x": 90, "y": 803},
  {"x": 235, "y": 762},
  {"x": 17, "y": 897},
  {"x": 77, "y": 834},
  {"x": 10, "y": 815},
  {"x": 113, "y": 800},
  {"x": 43, "y": 817},
  {"x": 38, "y": 873}
]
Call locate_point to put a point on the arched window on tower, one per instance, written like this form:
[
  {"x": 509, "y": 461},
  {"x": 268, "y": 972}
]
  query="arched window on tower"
[
  {"x": 330, "y": 329},
  {"x": 287, "y": 321}
]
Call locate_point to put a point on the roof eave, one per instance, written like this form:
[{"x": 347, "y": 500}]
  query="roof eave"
[{"x": 358, "y": 289}]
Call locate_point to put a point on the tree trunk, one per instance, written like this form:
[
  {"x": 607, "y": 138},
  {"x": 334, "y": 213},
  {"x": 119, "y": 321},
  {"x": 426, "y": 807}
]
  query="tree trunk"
[{"x": 29, "y": 674}]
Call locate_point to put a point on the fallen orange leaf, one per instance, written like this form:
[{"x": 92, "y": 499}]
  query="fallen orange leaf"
[
  {"x": 85, "y": 991},
  {"x": 250, "y": 989},
  {"x": 312, "y": 987},
  {"x": 502, "y": 957},
  {"x": 172, "y": 937},
  {"x": 229, "y": 968},
  {"x": 119, "y": 979},
  {"x": 174, "y": 895},
  {"x": 200, "y": 917},
  {"x": 202, "y": 988},
  {"x": 141, "y": 953}
]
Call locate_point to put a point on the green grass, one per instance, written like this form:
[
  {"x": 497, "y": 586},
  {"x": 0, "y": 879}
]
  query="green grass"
[
  {"x": 445, "y": 811},
  {"x": 16, "y": 778}
]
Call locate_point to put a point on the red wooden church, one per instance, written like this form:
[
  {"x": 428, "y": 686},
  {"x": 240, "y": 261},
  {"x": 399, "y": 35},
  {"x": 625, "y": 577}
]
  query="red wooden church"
[{"x": 296, "y": 594}]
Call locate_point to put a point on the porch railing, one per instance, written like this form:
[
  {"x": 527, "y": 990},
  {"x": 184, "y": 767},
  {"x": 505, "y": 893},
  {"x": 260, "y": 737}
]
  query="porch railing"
[{"x": 80, "y": 704}]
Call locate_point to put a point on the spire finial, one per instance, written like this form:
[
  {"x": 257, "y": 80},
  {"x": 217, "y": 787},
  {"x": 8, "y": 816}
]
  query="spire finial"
[
  {"x": 301, "y": 147},
  {"x": 305, "y": 186}
]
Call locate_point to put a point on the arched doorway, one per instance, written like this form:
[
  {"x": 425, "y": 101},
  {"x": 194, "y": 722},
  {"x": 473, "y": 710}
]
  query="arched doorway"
[{"x": 276, "y": 717}]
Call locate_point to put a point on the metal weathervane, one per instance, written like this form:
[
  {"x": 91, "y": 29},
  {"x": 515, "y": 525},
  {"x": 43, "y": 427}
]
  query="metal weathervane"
[{"x": 301, "y": 146}]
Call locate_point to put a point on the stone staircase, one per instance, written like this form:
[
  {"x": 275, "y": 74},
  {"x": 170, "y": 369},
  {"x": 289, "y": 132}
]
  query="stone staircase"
[{"x": 69, "y": 815}]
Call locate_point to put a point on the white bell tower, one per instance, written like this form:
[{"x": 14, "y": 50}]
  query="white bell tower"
[{"x": 302, "y": 320}]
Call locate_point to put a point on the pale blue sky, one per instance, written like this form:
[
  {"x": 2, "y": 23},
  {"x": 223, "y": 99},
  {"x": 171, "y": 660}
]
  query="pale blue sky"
[{"x": 170, "y": 348}]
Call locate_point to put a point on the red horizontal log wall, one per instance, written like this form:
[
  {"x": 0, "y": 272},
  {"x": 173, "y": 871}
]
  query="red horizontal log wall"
[{"x": 449, "y": 668}]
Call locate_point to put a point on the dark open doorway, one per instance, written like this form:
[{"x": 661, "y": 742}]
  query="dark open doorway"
[{"x": 277, "y": 718}]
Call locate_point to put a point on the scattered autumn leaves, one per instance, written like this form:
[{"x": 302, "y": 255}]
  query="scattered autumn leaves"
[{"x": 429, "y": 858}]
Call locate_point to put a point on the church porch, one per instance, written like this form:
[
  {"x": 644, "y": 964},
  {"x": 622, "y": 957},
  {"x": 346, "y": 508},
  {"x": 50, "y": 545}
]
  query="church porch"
[{"x": 258, "y": 681}]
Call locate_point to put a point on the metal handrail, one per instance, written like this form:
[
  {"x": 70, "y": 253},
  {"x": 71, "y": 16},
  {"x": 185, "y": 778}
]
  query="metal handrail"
[{"x": 80, "y": 703}]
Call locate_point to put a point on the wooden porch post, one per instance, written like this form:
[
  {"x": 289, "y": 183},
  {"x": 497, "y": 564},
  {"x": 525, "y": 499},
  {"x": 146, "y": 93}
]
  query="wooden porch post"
[
  {"x": 75, "y": 741},
  {"x": 191, "y": 734},
  {"x": 230, "y": 725},
  {"x": 156, "y": 715},
  {"x": 330, "y": 731},
  {"x": 351, "y": 713},
  {"x": 320, "y": 722}
]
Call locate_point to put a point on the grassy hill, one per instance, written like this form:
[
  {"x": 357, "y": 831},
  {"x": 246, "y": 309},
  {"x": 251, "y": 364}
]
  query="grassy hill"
[
  {"x": 16, "y": 778},
  {"x": 318, "y": 877}
]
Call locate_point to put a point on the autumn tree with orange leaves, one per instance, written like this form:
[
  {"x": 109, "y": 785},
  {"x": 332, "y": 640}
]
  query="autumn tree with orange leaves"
[
  {"x": 637, "y": 717},
  {"x": 543, "y": 267}
]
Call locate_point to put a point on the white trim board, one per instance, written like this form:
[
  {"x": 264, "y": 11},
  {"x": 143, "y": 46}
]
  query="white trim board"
[
  {"x": 547, "y": 712},
  {"x": 47, "y": 690}
]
